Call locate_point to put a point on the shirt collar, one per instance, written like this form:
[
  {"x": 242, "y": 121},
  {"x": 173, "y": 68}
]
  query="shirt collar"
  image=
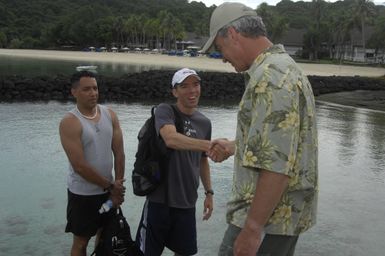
[{"x": 276, "y": 48}]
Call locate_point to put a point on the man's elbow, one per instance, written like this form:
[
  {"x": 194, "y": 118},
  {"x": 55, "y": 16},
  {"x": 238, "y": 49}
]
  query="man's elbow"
[
  {"x": 170, "y": 141},
  {"x": 78, "y": 167}
]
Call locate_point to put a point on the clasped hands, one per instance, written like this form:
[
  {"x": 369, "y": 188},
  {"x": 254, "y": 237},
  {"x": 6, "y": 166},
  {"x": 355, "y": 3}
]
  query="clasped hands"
[
  {"x": 117, "y": 192},
  {"x": 220, "y": 149}
]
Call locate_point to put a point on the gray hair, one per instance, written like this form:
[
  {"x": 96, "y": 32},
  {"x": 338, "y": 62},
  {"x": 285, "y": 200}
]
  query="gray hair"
[{"x": 248, "y": 26}]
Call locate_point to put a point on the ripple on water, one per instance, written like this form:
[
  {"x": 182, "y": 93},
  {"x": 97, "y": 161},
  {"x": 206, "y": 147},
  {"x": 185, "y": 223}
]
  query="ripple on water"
[
  {"x": 31, "y": 250},
  {"x": 55, "y": 229},
  {"x": 48, "y": 203},
  {"x": 16, "y": 225}
]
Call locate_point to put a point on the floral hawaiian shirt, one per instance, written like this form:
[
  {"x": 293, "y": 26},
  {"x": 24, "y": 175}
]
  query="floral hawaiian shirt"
[{"x": 276, "y": 131}]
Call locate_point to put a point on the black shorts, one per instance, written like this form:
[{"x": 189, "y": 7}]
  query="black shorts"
[
  {"x": 163, "y": 226},
  {"x": 83, "y": 217}
]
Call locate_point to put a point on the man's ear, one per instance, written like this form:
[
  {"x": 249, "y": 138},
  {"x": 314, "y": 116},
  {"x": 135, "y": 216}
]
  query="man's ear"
[
  {"x": 232, "y": 33},
  {"x": 174, "y": 92},
  {"x": 73, "y": 92}
]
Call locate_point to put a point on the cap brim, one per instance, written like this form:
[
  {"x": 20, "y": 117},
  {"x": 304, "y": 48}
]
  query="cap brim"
[
  {"x": 209, "y": 43},
  {"x": 184, "y": 78}
]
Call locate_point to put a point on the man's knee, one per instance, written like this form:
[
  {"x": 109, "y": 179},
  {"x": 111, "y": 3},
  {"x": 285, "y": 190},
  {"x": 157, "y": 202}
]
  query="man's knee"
[{"x": 79, "y": 246}]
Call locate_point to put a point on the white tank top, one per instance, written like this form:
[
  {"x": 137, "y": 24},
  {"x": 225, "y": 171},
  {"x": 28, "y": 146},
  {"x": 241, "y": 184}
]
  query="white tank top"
[{"x": 96, "y": 140}]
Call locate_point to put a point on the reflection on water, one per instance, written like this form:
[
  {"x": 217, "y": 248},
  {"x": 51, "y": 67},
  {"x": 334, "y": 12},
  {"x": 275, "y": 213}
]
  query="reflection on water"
[
  {"x": 33, "y": 184},
  {"x": 352, "y": 191},
  {"x": 31, "y": 67}
]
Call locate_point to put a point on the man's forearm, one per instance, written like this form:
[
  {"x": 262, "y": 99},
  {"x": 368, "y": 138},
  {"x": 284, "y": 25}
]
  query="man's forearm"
[
  {"x": 205, "y": 174},
  {"x": 86, "y": 172},
  {"x": 119, "y": 166},
  {"x": 182, "y": 142},
  {"x": 269, "y": 189}
]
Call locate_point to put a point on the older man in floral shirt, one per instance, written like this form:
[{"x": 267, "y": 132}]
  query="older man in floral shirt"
[{"x": 275, "y": 184}]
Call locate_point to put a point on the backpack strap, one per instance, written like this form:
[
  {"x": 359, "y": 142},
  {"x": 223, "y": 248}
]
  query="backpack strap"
[{"x": 178, "y": 119}]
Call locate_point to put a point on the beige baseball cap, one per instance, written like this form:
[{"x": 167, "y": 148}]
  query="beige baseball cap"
[{"x": 223, "y": 15}]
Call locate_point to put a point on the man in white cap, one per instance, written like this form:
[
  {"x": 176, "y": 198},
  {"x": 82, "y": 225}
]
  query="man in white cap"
[
  {"x": 275, "y": 186},
  {"x": 168, "y": 218}
]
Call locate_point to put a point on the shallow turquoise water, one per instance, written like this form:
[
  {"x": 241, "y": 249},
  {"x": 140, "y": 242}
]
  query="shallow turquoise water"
[{"x": 34, "y": 168}]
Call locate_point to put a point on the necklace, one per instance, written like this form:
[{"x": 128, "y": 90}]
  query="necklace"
[{"x": 88, "y": 117}]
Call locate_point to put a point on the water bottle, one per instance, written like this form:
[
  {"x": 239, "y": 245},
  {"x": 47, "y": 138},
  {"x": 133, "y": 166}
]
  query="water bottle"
[{"x": 106, "y": 206}]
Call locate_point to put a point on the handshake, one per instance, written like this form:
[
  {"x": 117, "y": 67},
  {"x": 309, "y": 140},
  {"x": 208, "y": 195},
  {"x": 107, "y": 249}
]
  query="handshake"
[{"x": 220, "y": 149}]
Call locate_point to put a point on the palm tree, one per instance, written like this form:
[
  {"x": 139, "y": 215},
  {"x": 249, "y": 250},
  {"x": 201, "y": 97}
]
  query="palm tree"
[
  {"x": 176, "y": 30},
  {"x": 344, "y": 26},
  {"x": 3, "y": 39},
  {"x": 264, "y": 11},
  {"x": 164, "y": 19},
  {"x": 132, "y": 29},
  {"x": 276, "y": 24},
  {"x": 279, "y": 27},
  {"x": 152, "y": 28},
  {"x": 118, "y": 28},
  {"x": 361, "y": 11},
  {"x": 377, "y": 40},
  {"x": 313, "y": 37}
]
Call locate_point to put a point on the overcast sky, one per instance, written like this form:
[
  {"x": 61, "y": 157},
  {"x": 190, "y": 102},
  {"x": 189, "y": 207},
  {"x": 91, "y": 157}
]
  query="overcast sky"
[
  {"x": 251, "y": 3},
  {"x": 254, "y": 3}
]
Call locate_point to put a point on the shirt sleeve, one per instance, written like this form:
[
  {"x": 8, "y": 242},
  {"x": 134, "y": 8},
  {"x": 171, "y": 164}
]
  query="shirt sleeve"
[
  {"x": 273, "y": 132},
  {"x": 163, "y": 115}
]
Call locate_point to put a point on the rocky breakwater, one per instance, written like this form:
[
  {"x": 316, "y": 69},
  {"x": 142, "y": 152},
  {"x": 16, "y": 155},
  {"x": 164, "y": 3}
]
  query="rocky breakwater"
[{"x": 155, "y": 85}]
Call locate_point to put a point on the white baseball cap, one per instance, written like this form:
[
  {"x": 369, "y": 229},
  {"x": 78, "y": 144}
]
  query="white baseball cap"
[
  {"x": 223, "y": 15},
  {"x": 181, "y": 75}
]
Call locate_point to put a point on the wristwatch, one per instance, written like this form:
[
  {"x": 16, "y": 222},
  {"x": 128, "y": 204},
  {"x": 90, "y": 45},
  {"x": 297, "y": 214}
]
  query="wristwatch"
[{"x": 209, "y": 191}]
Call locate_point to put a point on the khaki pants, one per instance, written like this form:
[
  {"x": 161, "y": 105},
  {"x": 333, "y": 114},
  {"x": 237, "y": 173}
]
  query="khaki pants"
[{"x": 272, "y": 245}]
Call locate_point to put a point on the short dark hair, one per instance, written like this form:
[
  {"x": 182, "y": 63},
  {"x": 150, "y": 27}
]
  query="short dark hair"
[{"x": 75, "y": 78}]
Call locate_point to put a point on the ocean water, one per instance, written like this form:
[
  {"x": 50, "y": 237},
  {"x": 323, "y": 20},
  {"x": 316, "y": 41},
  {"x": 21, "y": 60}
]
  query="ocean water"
[
  {"x": 34, "y": 168},
  {"x": 31, "y": 67}
]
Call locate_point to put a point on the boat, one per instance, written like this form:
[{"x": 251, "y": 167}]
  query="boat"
[{"x": 87, "y": 68}]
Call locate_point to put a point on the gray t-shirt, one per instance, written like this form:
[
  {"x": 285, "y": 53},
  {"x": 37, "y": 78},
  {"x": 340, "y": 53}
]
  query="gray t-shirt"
[{"x": 184, "y": 166}]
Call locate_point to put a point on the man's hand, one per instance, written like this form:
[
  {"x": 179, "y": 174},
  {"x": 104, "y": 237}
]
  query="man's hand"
[
  {"x": 220, "y": 150},
  {"x": 208, "y": 207},
  {"x": 117, "y": 192},
  {"x": 248, "y": 242}
]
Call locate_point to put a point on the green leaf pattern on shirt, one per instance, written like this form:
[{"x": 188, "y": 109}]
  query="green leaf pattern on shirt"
[{"x": 276, "y": 131}]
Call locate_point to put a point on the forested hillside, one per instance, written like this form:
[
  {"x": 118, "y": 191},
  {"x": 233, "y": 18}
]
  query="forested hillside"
[
  {"x": 46, "y": 23},
  {"x": 160, "y": 23}
]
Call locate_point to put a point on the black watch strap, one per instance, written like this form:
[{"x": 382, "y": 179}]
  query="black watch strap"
[{"x": 209, "y": 191}]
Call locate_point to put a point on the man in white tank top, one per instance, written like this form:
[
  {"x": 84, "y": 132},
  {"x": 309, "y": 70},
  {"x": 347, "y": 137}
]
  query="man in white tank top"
[{"x": 92, "y": 140}]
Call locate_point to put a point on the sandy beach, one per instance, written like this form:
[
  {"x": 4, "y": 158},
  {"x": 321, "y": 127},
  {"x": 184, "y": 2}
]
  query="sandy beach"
[{"x": 202, "y": 63}]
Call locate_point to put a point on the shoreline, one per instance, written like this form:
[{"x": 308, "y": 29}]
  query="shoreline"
[
  {"x": 218, "y": 86},
  {"x": 201, "y": 63},
  {"x": 373, "y": 100}
]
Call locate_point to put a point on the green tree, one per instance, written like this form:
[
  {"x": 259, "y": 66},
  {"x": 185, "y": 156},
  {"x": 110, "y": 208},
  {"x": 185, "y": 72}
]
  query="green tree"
[
  {"x": 165, "y": 23},
  {"x": 377, "y": 40},
  {"x": 15, "y": 43},
  {"x": 104, "y": 35},
  {"x": 152, "y": 27},
  {"x": 315, "y": 33},
  {"x": 361, "y": 11},
  {"x": 3, "y": 40},
  {"x": 276, "y": 24}
]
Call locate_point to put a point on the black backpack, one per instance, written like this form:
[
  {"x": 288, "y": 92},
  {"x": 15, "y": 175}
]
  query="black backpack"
[
  {"x": 152, "y": 157},
  {"x": 115, "y": 239}
]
